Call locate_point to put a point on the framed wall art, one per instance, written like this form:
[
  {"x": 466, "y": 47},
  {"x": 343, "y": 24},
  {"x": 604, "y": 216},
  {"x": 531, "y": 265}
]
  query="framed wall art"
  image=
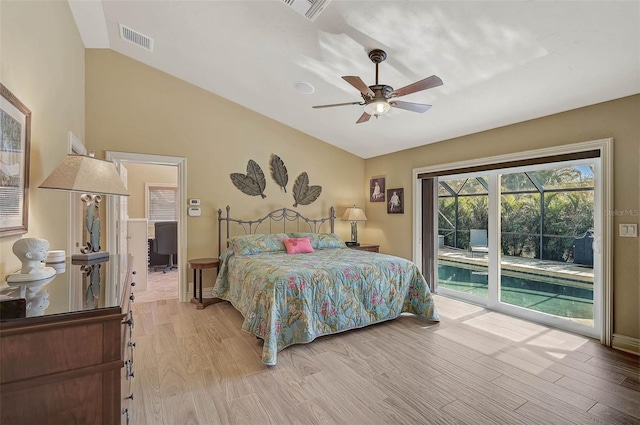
[
  {"x": 395, "y": 203},
  {"x": 376, "y": 190},
  {"x": 15, "y": 139}
]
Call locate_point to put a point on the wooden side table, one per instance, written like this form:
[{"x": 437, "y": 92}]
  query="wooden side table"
[
  {"x": 198, "y": 265},
  {"x": 367, "y": 247}
]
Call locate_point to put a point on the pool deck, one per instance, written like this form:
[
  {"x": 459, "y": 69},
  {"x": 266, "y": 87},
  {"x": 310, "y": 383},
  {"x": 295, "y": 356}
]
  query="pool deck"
[{"x": 543, "y": 268}]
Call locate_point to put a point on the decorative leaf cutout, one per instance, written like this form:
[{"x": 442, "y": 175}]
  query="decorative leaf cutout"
[
  {"x": 255, "y": 173},
  {"x": 246, "y": 184},
  {"x": 253, "y": 183},
  {"x": 300, "y": 187},
  {"x": 302, "y": 193},
  {"x": 279, "y": 172},
  {"x": 312, "y": 194}
]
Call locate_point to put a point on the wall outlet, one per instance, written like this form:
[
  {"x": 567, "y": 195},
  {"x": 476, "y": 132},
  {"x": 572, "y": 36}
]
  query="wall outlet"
[{"x": 629, "y": 230}]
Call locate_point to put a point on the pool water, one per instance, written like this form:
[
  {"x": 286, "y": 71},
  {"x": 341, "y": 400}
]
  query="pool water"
[{"x": 561, "y": 298}]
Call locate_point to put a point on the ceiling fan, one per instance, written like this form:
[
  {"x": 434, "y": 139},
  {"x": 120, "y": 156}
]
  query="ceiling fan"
[{"x": 379, "y": 98}]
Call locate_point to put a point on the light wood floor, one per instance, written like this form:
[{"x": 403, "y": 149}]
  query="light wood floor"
[
  {"x": 474, "y": 367},
  {"x": 160, "y": 286}
]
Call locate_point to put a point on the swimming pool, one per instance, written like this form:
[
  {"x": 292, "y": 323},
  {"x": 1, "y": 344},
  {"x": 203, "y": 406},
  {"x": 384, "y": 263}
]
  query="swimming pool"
[{"x": 552, "y": 295}]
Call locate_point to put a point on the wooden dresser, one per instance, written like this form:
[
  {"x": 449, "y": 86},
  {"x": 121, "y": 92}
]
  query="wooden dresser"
[{"x": 73, "y": 363}]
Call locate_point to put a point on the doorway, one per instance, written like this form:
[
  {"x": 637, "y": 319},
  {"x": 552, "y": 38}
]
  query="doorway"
[
  {"x": 116, "y": 232},
  {"x": 541, "y": 265},
  {"x": 524, "y": 234}
]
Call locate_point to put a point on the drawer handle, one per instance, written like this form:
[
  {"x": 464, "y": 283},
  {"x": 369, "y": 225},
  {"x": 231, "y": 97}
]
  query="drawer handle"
[
  {"x": 132, "y": 297},
  {"x": 129, "y": 321},
  {"x": 133, "y": 284},
  {"x": 132, "y": 344},
  {"x": 130, "y": 397},
  {"x": 134, "y": 272},
  {"x": 129, "y": 369},
  {"x": 125, "y": 412}
]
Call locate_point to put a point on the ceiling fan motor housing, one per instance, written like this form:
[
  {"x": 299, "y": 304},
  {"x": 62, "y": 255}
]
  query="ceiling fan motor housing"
[{"x": 381, "y": 92}]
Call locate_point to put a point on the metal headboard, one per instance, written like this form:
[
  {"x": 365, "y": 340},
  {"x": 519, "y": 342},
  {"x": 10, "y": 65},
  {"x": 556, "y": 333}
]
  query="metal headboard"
[{"x": 283, "y": 215}]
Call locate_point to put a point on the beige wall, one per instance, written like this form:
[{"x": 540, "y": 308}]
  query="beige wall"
[
  {"x": 134, "y": 108},
  {"x": 137, "y": 176},
  {"x": 619, "y": 119},
  {"x": 42, "y": 63}
]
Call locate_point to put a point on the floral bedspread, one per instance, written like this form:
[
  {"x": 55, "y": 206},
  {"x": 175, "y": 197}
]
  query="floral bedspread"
[{"x": 291, "y": 299}]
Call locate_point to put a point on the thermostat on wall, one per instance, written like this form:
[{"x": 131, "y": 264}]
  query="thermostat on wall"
[
  {"x": 194, "y": 212},
  {"x": 194, "y": 201}
]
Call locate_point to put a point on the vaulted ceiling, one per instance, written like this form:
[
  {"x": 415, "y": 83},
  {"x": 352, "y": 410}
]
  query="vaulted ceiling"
[{"x": 501, "y": 62}]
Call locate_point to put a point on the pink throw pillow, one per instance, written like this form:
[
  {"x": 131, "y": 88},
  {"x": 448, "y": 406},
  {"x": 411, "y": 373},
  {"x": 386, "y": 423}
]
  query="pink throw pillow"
[{"x": 297, "y": 245}]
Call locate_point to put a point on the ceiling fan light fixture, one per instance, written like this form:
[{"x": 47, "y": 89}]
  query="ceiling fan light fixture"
[{"x": 379, "y": 107}]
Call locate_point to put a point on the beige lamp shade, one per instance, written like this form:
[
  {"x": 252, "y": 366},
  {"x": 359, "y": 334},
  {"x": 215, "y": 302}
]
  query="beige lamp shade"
[
  {"x": 86, "y": 174},
  {"x": 354, "y": 214}
]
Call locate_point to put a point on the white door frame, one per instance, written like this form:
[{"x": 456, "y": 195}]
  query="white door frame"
[
  {"x": 181, "y": 163},
  {"x": 603, "y": 245}
]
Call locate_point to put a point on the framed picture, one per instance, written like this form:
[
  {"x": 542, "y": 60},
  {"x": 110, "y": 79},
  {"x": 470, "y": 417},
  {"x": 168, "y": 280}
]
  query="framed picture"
[
  {"x": 376, "y": 190},
  {"x": 395, "y": 205},
  {"x": 15, "y": 139}
]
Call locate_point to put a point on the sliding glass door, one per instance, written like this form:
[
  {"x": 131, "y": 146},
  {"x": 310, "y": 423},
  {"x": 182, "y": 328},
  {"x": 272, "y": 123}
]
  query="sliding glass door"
[
  {"x": 520, "y": 240},
  {"x": 463, "y": 222}
]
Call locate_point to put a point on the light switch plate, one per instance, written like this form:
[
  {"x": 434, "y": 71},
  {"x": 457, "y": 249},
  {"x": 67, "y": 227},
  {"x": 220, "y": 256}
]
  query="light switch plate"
[{"x": 629, "y": 230}]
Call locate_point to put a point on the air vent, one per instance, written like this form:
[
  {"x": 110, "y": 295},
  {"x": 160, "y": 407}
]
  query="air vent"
[
  {"x": 309, "y": 8},
  {"x": 136, "y": 38}
]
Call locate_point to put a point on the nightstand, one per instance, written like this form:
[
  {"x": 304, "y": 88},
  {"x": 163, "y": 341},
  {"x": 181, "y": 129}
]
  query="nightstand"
[
  {"x": 366, "y": 247},
  {"x": 198, "y": 265}
]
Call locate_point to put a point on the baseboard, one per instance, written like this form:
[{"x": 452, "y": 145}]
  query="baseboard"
[
  {"x": 626, "y": 343},
  {"x": 207, "y": 292}
]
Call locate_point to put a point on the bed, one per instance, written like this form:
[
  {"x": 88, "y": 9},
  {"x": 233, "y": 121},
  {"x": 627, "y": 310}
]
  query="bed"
[{"x": 293, "y": 298}]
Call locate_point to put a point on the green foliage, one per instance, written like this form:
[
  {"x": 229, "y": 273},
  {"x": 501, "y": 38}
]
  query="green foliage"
[{"x": 567, "y": 213}]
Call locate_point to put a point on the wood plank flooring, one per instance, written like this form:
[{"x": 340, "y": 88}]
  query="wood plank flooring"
[
  {"x": 474, "y": 367},
  {"x": 160, "y": 286}
]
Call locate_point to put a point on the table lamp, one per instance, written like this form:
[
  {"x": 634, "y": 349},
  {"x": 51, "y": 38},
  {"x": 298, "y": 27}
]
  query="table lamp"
[
  {"x": 354, "y": 215},
  {"x": 93, "y": 178}
]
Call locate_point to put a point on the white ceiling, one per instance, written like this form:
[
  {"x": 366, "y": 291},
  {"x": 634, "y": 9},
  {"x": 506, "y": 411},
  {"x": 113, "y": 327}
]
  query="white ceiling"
[{"x": 502, "y": 62}]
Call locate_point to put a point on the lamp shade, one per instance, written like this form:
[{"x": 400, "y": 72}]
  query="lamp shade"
[
  {"x": 86, "y": 174},
  {"x": 354, "y": 214}
]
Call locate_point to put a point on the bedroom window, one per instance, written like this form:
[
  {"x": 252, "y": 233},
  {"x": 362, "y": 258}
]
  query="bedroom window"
[{"x": 521, "y": 237}]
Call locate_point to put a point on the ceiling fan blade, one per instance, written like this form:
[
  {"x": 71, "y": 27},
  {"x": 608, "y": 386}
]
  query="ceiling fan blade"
[
  {"x": 415, "y": 107},
  {"x": 336, "y": 104},
  {"x": 360, "y": 85},
  {"x": 427, "y": 83},
  {"x": 363, "y": 118}
]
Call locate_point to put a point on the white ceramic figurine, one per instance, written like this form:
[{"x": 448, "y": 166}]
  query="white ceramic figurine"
[{"x": 31, "y": 252}]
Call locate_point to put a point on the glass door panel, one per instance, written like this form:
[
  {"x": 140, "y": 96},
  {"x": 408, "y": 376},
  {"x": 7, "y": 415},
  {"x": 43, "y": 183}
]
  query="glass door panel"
[
  {"x": 462, "y": 237},
  {"x": 547, "y": 222}
]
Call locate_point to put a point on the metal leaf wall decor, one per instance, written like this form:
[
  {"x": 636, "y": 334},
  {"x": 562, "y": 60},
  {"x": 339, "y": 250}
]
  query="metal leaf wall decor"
[
  {"x": 279, "y": 172},
  {"x": 304, "y": 194},
  {"x": 253, "y": 183}
]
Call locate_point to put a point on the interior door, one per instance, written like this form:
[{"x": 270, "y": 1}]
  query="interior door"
[
  {"x": 121, "y": 205},
  {"x": 123, "y": 216}
]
